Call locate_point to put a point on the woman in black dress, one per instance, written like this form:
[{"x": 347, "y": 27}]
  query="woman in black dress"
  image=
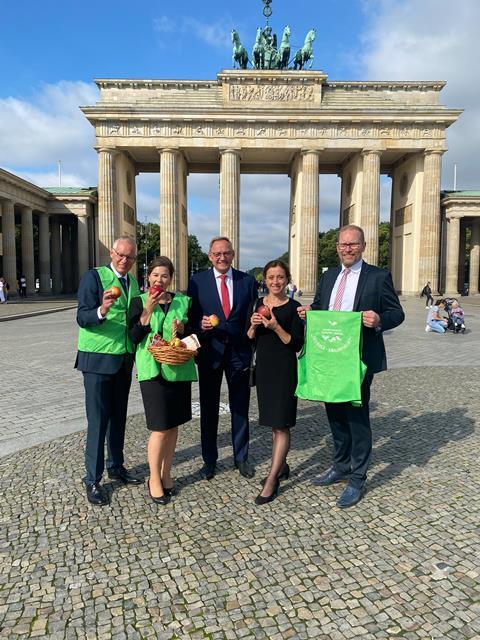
[
  {"x": 166, "y": 389},
  {"x": 277, "y": 339}
]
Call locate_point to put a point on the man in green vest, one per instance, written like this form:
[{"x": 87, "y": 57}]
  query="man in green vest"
[
  {"x": 356, "y": 286},
  {"x": 105, "y": 357}
]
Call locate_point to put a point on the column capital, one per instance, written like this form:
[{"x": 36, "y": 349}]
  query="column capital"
[
  {"x": 371, "y": 152},
  {"x": 112, "y": 150},
  {"x": 433, "y": 152},
  {"x": 316, "y": 151},
  {"x": 174, "y": 150},
  {"x": 234, "y": 151}
]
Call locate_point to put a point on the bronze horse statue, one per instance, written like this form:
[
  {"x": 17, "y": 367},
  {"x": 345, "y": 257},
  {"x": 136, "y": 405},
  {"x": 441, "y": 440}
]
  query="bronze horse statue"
[
  {"x": 284, "y": 52},
  {"x": 305, "y": 54},
  {"x": 258, "y": 51},
  {"x": 239, "y": 55}
]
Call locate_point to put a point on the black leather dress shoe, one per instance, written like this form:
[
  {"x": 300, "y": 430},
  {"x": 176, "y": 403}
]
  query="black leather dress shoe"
[
  {"x": 120, "y": 473},
  {"x": 208, "y": 471},
  {"x": 96, "y": 495},
  {"x": 350, "y": 497},
  {"x": 245, "y": 468},
  {"x": 328, "y": 478}
]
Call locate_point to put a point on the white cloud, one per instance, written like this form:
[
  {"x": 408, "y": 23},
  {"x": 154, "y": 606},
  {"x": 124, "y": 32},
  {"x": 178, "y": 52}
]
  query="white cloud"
[
  {"x": 163, "y": 24},
  {"x": 36, "y": 133},
  {"x": 432, "y": 40}
]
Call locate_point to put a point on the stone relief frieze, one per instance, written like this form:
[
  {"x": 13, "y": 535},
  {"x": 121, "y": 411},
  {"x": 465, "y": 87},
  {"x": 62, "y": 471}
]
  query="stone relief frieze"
[
  {"x": 269, "y": 93},
  {"x": 271, "y": 130}
]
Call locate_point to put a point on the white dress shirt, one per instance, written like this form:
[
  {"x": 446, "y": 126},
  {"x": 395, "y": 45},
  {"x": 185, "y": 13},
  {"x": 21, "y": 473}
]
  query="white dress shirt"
[
  {"x": 350, "y": 287},
  {"x": 228, "y": 280}
]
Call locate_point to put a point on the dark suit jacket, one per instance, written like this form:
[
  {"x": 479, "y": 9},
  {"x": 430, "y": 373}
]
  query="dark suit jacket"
[
  {"x": 203, "y": 290},
  {"x": 90, "y": 295},
  {"x": 375, "y": 292}
]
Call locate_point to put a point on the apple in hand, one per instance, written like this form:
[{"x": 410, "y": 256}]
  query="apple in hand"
[
  {"x": 264, "y": 311},
  {"x": 214, "y": 321},
  {"x": 115, "y": 292},
  {"x": 156, "y": 288}
]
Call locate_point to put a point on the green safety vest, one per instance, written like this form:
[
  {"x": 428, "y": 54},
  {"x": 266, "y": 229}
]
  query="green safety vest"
[
  {"x": 161, "y": 323},
  {"x": 111, "y": 335},
  {"x": 330, "y": 368}
]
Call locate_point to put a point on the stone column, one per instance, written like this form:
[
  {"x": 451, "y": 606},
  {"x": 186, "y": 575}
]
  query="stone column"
[
  {"x": 56, "y": 258},
  {"x": 308, "y": 231},
  {"x": 66, "y": 258},
  {"x": 106, "y": 202},
  {"x": 9, "y": 248},
  {"x": 230, "y": 199},
  {"x": 430, "y": 220},
  {"x": 370, "y": 213},
  {"x": 461, "y": 254},
  {"x": 169, "y": 207},
  {"x": 453, "y": 249},
  {"x": 28, "y": 268},
  {"x": 82, "y": 244},
  {"x": 44, "y": 253},
  {"x": 474, "y": 258}
]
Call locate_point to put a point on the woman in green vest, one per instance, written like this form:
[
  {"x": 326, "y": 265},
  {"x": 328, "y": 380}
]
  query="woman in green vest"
[{"x": 166, "y": 389}]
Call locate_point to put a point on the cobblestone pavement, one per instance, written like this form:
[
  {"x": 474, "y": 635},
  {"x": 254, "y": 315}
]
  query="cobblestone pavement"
[
  {"x": 405, "y": 562},
  {"x": 18, "y": 309}
]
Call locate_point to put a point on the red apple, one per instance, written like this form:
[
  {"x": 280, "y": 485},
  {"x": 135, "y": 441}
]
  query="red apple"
[
  {"x": 264, "y": 311},
  {"x": 214, "y": 321},
  {"x": 156, "y": 288},
  {"x": 115, "y": 291}
]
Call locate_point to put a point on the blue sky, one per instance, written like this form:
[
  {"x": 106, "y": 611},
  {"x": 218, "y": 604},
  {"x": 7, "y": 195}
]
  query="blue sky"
[{"x": 51, "y": 51}]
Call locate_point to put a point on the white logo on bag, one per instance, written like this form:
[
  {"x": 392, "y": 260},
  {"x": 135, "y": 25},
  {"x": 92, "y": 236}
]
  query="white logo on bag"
[{"x": 332, "y": 340}]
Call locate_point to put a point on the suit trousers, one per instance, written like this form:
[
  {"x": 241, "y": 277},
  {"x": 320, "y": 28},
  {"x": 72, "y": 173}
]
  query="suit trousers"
[
  {"x": 106, "y": 400},
  {"x": 210, "y": 383},
  {"x": 352, "y": 436}
]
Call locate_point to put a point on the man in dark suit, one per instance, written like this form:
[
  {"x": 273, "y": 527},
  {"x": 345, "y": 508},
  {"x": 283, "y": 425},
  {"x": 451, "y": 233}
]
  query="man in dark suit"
[
  {"x": 105, "y": 357},
  {"x": 356, "y": 286},
  {"x": 224, "y": 294}
]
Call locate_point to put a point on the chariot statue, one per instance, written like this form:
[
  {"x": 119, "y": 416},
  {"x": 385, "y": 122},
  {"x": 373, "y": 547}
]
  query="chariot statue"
[{"x": 266, "y": 54}]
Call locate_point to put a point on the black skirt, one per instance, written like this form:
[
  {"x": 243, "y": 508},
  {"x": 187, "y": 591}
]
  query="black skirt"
[{"x": 167, "y": 404}]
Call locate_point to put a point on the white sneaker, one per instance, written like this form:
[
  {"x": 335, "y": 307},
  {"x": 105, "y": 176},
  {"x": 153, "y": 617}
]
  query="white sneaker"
[
  {"x": 427, "y": 307},
  {"x": 428, "y": 328}
]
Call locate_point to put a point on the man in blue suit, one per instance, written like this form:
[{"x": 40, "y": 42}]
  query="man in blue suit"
[
  {"x": 227, "y": 294},
  {"x": 356, "y": 286},
  {"x": 105, "y": 357}
]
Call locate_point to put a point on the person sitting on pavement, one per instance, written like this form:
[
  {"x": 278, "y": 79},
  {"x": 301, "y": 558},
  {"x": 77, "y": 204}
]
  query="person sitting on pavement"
[
  {"x": 457, "y": 317},
  {"x": 435, "y": 322}
]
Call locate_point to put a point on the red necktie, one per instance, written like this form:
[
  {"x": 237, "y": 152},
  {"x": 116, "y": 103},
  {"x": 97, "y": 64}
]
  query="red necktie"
[
  {"x": 337, "y": 305},
  {"x": 225, "y": 296}
]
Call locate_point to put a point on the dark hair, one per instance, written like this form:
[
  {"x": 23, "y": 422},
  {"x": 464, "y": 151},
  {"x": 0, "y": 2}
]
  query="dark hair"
[
  {"x": 440, "y": 301},
  {"x": 161, "y": 261},
  {"x": 277, "y": 263}
]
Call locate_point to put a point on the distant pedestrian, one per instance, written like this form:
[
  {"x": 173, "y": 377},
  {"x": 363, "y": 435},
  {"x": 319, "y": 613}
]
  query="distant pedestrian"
[
  {"x": 22, "y": 286},
  {"x": 427, "y": 292},
  {"x": 2, "y": 291}
]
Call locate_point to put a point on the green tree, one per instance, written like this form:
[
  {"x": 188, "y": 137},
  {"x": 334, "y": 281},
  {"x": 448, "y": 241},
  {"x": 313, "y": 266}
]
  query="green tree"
[
  {"x": 197, "y": 258},
  {"x": 327, "y": 249},
  {"x": 384, "y": 245}
]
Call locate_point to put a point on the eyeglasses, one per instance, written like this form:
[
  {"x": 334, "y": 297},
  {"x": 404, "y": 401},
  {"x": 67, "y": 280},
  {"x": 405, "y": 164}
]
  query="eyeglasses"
[
  {"x": 348, "y": 245},
  {"x": 219, "y": 254},
  {"x": 124, "y": 256}
]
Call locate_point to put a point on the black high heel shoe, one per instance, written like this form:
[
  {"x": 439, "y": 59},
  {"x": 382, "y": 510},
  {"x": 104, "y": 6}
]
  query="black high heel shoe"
[
  {"x": 266, "y": 499},
  {"x": 283, "y": 475},
  {"x": 165, "y": 499},
  {"x": 169, "y": 491}
]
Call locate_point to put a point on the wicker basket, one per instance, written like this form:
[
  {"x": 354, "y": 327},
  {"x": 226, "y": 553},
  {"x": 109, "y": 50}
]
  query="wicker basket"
[{"x": 167, "y": 354}]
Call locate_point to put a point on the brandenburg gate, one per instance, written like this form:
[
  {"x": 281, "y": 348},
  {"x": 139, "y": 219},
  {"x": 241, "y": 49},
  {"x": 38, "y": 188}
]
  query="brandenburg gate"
[{"x": 278, "y": 121}]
